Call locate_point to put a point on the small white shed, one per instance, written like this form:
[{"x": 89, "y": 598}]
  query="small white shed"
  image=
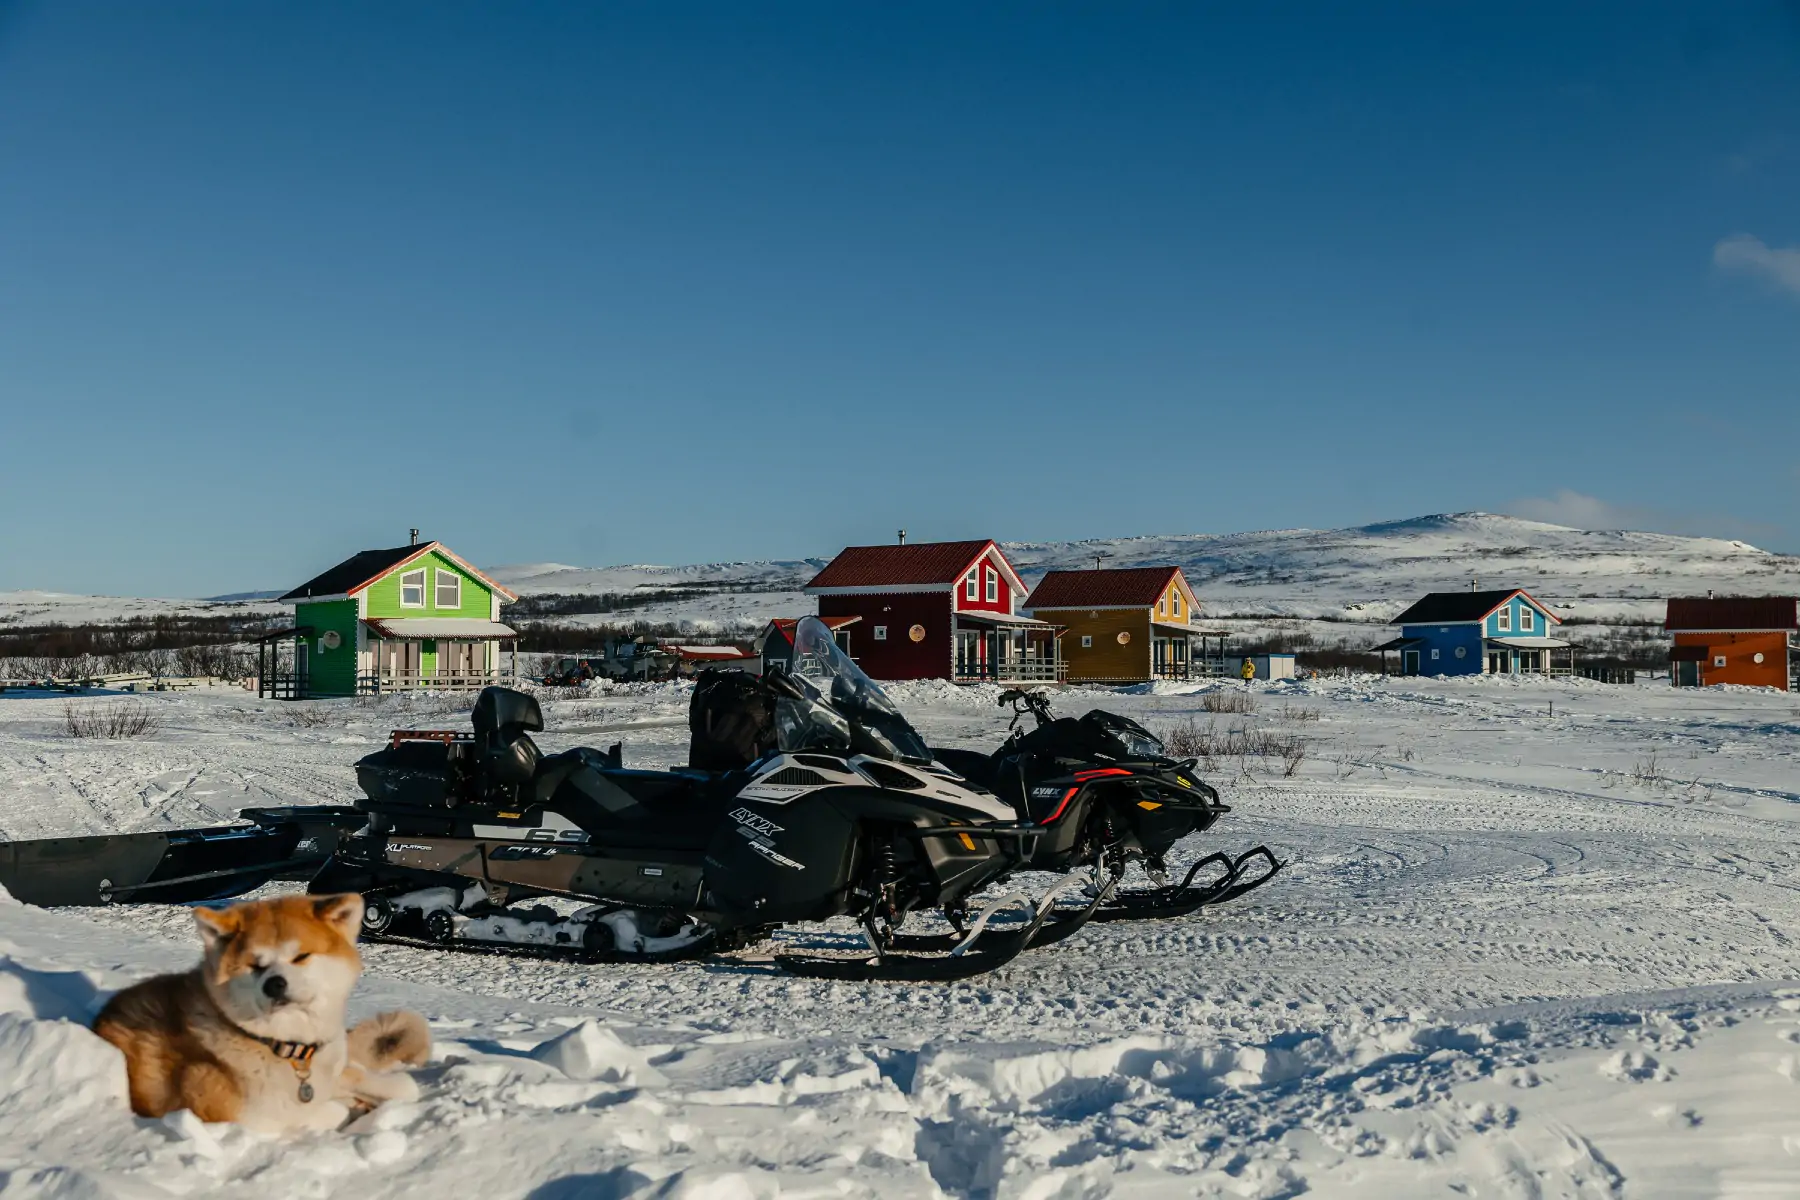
[{"x": 1271, "y": 666}]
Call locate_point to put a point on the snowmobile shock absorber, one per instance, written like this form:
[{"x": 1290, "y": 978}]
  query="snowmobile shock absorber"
[{"x": 886, "y": 875}]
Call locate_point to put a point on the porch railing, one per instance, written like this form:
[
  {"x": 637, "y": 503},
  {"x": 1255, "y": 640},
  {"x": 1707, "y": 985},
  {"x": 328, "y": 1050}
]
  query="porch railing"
[
  {"x": 1028, "y": 671},
  {"x": 376, "y": 682}
]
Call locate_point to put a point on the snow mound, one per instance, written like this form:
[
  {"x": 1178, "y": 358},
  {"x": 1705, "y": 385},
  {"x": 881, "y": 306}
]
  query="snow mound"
[{"x": 591, "y": 1051}]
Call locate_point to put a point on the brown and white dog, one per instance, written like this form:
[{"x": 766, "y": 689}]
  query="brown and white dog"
[{"x": 255, "y": 1034}]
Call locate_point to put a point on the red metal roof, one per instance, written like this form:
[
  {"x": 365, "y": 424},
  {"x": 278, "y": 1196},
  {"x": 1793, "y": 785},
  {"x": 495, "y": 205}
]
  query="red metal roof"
[
  {"x": 1707, "y": 614},
  {"x": 897, "y": 566},
  {"x": 785, "y": 625},
  {"x": 1136, "y": 586}
]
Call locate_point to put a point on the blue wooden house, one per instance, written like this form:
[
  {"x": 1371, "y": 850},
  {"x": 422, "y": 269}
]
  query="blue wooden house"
[{"x": 1473, "y": 633}]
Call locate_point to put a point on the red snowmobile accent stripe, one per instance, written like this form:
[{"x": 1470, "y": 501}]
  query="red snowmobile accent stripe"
[
  {"x": 1098, "y": 772},
  {"x": 1067, "y": 796}
]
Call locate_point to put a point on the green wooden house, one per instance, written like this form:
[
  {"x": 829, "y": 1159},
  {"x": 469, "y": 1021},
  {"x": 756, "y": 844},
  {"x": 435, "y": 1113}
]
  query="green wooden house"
[{"x": 411, "y": 617}]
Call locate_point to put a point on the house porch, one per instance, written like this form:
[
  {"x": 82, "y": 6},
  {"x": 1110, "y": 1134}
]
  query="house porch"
[{"x": 992, "y": 647}]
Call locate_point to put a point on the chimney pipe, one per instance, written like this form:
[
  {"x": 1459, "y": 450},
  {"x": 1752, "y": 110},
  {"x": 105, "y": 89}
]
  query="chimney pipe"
[
  {"x": 415, "y": 537},
  {"x": 1709, "y": 594},
  {"x": 903, "y": 537},
  {"x": 1474, "y": 583}
]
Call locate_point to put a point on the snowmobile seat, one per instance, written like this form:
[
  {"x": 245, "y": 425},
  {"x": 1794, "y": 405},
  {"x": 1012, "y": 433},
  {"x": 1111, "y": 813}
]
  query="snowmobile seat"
[
  {"x": 980, "y": 769},
  {"x": 664, "y": 809}
]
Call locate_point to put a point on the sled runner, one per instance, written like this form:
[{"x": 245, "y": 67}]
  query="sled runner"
[{"x": 179, "y": 866}]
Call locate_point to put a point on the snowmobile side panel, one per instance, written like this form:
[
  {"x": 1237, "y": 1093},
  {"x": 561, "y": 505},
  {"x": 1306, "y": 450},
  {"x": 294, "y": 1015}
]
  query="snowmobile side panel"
[{"x": 654, "y": 879}]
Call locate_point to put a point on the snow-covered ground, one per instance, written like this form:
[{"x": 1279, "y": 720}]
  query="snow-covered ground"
[{"x": 1535, "y": 939}]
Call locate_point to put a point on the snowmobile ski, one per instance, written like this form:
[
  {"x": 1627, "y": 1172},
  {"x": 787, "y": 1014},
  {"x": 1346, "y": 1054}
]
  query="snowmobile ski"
[
  {"x": 944, "y": 958},
  {"x": 1185, "y": 898}
]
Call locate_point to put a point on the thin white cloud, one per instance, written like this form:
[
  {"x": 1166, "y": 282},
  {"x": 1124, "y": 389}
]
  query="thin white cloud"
[
  {"x": 1744, "y": 252},
  {"x": 1580, "y": 511}
]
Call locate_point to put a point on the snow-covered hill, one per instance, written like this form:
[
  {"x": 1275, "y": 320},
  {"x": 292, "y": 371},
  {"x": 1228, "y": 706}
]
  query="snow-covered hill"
[
  {"x": 1361, "y": 574},
  {"x": 1367, "y": 573}
]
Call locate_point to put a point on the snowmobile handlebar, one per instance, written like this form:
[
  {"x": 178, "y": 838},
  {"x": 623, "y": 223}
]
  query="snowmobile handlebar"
[{"x": 1022, "y": 701}]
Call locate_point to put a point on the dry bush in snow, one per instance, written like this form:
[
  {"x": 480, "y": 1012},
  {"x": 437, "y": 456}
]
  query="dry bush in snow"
[
  {"x": 310, "y": 716},
  {"x": 129, "y": 719},
  {"x": 1228, "y": 702},
  {"x": 1241, "y": 740}
]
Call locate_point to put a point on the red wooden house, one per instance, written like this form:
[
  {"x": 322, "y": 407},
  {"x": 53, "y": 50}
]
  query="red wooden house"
[{"x": 937, "y": 610}]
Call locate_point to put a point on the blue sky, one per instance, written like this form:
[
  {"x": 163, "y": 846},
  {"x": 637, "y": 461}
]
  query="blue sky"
[{"x": 612, "y": 283}]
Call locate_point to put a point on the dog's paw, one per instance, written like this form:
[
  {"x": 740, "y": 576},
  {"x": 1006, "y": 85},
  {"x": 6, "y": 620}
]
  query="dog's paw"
[{"x": 379, "y": 1087}]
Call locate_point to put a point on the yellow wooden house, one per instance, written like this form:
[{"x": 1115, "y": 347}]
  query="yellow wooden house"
[{"x": 1129, "y": 625}]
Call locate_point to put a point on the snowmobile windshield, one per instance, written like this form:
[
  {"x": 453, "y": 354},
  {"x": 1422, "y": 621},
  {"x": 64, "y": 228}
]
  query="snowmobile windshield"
[
  {"x": 1136, "y": 741},
  {"x": 876, "y": 727}
]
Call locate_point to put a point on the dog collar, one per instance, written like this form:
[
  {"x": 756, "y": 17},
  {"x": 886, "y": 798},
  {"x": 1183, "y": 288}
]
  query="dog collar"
[
  {"x": 298, "y": 1055},
  {"x": 298, "y": 1052}
]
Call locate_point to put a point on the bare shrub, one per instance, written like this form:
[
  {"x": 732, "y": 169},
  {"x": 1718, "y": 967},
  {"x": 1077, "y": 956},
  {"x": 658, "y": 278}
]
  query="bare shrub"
[
  {"x": 229, "y": 663},
  {"x": 1292, "y": 712},
  {"x": 1241, "y": 740},
  {"x": 1233, "y": 701},
  {"x": 310, "y": 716},
  {"x": 552, "y": 692},
  {"x": 129, "y": 719},
  {"x": 1648, "y": 770},
  {"x": 1186, "y": 740}
]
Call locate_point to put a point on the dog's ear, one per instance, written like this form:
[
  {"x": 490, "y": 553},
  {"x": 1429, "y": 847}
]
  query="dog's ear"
[
  {"x": 216, "y": 924},
  {"x": 343, "y": 913}
]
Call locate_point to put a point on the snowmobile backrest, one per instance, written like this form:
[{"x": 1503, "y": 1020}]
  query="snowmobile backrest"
[
  {"x": 499, "y": 707},
  {"x": 731, "y": 721},
  {"x": 503, "y": 720}
]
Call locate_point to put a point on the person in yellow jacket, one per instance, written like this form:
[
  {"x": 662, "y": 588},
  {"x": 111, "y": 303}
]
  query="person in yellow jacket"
[{"x": 1249, "y": 671}]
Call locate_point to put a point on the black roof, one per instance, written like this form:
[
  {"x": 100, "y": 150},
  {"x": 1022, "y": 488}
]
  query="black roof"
[
  {"x": 358, "y": 569},
  {"x": 1452, "y": 606}
]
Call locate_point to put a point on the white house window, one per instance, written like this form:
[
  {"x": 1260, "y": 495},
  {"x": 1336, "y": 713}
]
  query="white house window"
[
  {"x": 1162, "y": 605},
  {"x": 412, "y": 589},
  {"x": 449, "y": 589},
  {"x": 1525, "y": 618},
  {"x": 1087, "y": 641},
  {"x": 993, "y": 586},
  {"x": 970, "y": 585},
  {"x": 1503, "y": 621},
  {"x": 1434, "y": 654},
  {"x": 881, "y": 633},
  {"x": 1718, "y": 660},
  {"x": 1175, "y": 602}
]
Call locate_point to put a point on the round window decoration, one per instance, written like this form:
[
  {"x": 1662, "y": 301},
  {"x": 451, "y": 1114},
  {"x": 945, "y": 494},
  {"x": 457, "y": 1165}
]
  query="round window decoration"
[
  {"x": 916, "y": 633},
  {"x": 332, "y": 639},
  {"x": 1757, "y": 657},
  {"x": 1124, "y": 637},
  {"x": 1462, "y": 652}
]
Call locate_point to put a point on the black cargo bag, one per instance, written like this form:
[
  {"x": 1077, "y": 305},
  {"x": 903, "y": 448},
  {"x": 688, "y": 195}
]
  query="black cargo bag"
[{"x": 731, "y": 721}]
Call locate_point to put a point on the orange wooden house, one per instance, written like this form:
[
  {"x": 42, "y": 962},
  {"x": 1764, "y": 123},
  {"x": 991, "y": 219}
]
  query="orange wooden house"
[
  {"x": 1127, "y": 625},
  {"x": 1731, "y": 639}
]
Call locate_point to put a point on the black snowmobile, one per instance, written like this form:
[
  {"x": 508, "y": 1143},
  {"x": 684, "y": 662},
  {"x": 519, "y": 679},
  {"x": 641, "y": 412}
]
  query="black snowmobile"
[
  {"x": 1103, "y": 789},
  {"x": 808, "y": 797}
]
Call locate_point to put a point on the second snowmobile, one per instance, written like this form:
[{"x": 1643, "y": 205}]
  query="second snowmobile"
[
  {"x": 1103, "y": 788},
  {"x": 809, "y": 797}
]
